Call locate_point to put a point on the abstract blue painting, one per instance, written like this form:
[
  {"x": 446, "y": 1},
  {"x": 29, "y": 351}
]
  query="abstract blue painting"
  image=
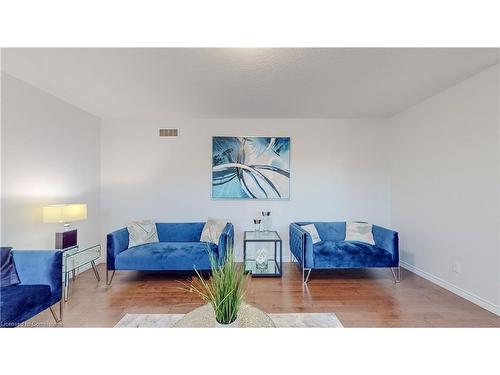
[{"x": 251, "y": 167}]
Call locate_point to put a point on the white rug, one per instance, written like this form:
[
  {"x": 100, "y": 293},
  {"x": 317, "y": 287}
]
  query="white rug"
[
  {"x": 307, "y": 320},
  {"x": 148, "y": 320}
]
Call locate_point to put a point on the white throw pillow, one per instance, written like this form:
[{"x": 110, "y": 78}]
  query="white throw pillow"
[
  {"x": 311, "y": 229},
  {"x": 362, "y": 232},
  {"x": 212, "y": 230},
  {"x": 141, "y": 232}
]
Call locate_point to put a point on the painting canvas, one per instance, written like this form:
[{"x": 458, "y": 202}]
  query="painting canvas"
[{"x": 251, "y": 167}]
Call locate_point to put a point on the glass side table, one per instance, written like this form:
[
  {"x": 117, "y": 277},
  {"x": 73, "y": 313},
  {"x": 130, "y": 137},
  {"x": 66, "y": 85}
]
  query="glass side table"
[
  {"x": 76, "y": 257},
  {"x": 274, "y": 265}
]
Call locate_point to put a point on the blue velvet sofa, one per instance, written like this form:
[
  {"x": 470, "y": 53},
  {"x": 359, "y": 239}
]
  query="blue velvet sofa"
[
  {"x": 40, "y": 287},
  {"x": 179, "y": 249},
  {"x": 333, "y": 252}
]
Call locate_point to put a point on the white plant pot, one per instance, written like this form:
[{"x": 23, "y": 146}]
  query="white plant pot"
[{"x": 235, "y": 324}]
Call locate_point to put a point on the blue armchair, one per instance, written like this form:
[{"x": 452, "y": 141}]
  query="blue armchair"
[
  {"x": 40, "y": 287},
  {"x": 334, "y": 252},
  {"x": 179, "y": 249}
]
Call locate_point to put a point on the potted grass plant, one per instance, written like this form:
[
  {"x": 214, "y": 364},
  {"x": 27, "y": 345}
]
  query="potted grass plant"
[{"x": 224, "y": 290}]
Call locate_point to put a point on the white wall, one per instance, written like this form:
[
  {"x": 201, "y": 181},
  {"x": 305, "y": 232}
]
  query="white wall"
[
  {"x": 339, "y": 171},
  {"x": 50, "y": 154},
  {"x": 445, "y": 187}
]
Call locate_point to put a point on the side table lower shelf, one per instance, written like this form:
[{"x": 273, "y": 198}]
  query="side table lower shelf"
[{"x": 272, "y": 270}]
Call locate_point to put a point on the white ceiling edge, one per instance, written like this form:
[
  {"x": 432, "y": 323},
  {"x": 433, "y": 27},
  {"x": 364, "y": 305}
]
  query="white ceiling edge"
[{"x": 472, "y": 75}]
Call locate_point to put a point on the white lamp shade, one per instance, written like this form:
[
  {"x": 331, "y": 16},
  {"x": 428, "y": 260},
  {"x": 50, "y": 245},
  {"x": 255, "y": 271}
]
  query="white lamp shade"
[{"x": 64, "y": 213}]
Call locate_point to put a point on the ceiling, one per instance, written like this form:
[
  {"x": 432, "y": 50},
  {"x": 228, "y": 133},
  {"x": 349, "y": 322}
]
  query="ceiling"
[{"x": 244, "y": 82}]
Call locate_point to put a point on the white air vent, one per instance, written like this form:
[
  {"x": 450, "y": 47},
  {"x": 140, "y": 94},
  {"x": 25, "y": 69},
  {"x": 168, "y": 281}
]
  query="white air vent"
[{"x": 170, "y": 132}]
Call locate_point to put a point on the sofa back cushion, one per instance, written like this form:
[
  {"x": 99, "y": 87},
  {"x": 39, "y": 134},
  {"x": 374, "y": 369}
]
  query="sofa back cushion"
[
  {"x": 179, "y": 232},
  {"x": 329, "y": 231}
]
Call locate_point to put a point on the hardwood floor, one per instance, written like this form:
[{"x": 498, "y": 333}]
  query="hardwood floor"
[{"x": 359, "y": 298}]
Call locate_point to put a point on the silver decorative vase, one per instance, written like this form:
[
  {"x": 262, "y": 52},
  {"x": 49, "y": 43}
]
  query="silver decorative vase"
[
  {"x": 257, "y": 223},
  {"x": 266, "y": 220},
  {"x": 261, "y": 260}
]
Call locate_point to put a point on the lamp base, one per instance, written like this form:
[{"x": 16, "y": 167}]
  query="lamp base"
[{"x": 66, "y": 239}]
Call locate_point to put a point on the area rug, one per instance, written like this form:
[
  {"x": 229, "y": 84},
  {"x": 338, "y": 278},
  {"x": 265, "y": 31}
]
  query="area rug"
[{"x": 305, "y": 320}]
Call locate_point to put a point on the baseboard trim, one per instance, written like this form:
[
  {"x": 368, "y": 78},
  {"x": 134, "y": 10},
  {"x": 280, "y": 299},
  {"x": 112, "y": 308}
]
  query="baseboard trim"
[{"x": 452, "y": 288}]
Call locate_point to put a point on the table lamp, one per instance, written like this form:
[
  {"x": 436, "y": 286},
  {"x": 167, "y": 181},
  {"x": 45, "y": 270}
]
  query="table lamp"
[{"x": 65, "y": 214}]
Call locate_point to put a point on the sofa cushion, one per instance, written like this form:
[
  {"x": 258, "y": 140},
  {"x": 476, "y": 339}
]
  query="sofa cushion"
[
  {"x": 212, "y": 230},
  {"x": 342, "y": 254},
  {"x": 141, "y": 232},
  {"x": 171, "y": 256},
  {"x": 21, "y": 302},
  {"x": 358, "y": 231},
  {"x": 311, "y": 229}
]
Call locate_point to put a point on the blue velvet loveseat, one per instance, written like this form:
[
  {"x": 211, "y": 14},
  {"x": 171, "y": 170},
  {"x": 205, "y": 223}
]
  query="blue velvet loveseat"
[
  {"x": 179, "y": 249},
  {"x": 333, "y": 252},
  {"x": 40, "y": 287}
]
